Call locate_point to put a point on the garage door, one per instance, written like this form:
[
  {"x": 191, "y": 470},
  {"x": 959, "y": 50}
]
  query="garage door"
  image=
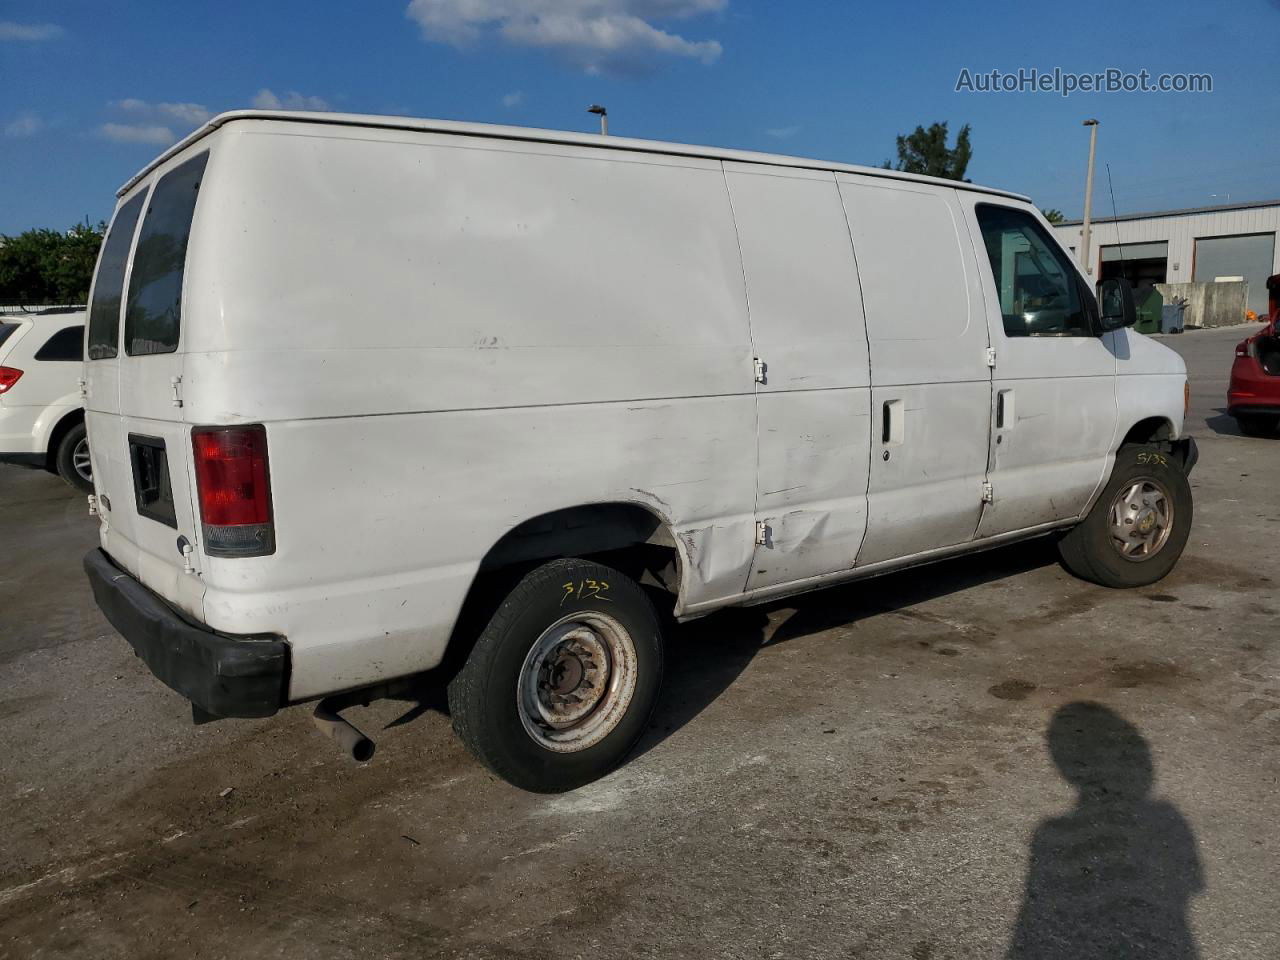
[{"x": 1250, "y": 256}]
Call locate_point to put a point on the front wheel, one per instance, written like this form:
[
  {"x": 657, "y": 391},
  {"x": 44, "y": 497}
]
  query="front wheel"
[
  {"x": 1139, "y": 526},
  {"x": 562, "y": 680},
  {"x": 71, "y": 459}
]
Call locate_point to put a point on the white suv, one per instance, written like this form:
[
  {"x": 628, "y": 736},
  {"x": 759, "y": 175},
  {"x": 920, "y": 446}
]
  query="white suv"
[{"x": 41, "y": 411}]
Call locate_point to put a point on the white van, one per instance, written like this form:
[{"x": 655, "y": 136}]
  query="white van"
[{"x": 370, "y": 396}]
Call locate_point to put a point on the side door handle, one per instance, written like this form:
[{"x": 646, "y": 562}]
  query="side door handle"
[
  {"x": 893, "y": 427},
  {"x": 1004, "y": 410}
]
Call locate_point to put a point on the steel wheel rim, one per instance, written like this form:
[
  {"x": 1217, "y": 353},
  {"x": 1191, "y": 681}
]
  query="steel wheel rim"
[
  {"x": 577, "y": 682},
  {"x": 1141, "y": 519},
  {"x": 80, "y": 461}
]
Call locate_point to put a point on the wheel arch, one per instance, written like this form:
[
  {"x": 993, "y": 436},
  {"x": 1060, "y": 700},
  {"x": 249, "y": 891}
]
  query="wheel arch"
[
  {"x": 635, "y": 538},
  {"x": 60, "y": 428},
  {"x": 1156, "y": 429}
]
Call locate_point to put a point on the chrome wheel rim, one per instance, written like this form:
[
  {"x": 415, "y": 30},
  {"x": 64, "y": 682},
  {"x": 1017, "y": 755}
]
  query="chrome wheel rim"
[
  {"x": 577, "y": 682},
  {"x": 1141, "y": 519},
  {"x": 80, "y": 460}
]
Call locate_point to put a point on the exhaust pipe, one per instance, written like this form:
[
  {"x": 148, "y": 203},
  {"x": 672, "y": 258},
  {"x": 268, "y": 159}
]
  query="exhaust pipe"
[{"x": 334, "y": 726}]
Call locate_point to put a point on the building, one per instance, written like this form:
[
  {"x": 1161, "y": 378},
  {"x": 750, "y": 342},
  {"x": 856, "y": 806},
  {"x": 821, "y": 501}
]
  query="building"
[{"x": 1233, "y": 241}]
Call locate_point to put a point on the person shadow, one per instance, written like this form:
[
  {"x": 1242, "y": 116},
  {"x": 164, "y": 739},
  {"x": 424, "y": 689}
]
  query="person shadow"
[{"x": 1113, "y": 877}]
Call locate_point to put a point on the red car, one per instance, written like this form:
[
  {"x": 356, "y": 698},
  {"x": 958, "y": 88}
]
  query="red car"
[{"x": 1253, "y": 397}]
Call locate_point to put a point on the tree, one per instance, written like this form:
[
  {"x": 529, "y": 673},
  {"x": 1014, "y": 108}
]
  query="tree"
[
  {"x": 926, "y": 151},
  {"x": 45, "y": 266},
  {"x": 1054, "y": 215}
]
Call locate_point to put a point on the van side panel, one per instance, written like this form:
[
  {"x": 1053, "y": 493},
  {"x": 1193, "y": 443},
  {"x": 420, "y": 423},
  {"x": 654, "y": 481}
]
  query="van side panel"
[
  {"x": 445, "y": 338},
  {"x": 807, "y": 325},
  {"x": 931, "y": 393}
]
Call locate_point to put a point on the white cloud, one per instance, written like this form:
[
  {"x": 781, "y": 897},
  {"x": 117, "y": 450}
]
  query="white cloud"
[
  {"x": 192, "y": 114},
  {"x": 33, "y": 32},
  {"x": 513, "y": 99},
  {"x": 290, "y": 100},
  {"x": 596, "y": 34},
  {"x": 137, "y": 133},
  {"x": 25, "y": 124},
  {"x": 783, "y": 133}
]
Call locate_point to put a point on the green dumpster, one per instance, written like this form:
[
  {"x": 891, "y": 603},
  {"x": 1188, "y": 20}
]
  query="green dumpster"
[{"x": 1150, "y": 304}]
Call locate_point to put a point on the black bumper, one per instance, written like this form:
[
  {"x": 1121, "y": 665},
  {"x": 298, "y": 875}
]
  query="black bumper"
[{"x": 222, "y": 676}]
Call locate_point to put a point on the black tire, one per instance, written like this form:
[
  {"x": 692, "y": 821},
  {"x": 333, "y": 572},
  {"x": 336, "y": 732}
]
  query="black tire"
[
  {"x": 1257, "y": 424},
  {"x": 64, "y": 459},
  {"x": 1089, "y": 550},
  {"x": 485, "y": 696}
]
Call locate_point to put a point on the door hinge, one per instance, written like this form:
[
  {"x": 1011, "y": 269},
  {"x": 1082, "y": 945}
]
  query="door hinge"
[
  {"x": 84, "y": 388},
  {"x": 988, "y": 494},
  {"x": 762, "y": 533},
  {"x": 762, "y": 370},
  {"x": 176, "y": 383},
  {"x": 991, "y": 356}
]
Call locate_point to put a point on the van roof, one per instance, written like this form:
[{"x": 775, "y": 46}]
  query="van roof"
[{"x": 498, "y": 131}]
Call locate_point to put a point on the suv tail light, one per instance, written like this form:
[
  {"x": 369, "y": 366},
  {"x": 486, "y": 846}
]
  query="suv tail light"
[
  {"x": 8, "y": 377},
  {"x": 1242, "y": 348},
  {"x": 234, "y": 487}
]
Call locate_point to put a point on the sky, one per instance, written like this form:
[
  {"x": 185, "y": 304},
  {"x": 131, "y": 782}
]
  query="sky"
[{"x": 90, "y": 92}]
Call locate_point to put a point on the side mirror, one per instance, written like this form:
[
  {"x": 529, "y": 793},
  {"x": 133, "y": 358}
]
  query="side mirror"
[{"x": 1115, "y": 305}]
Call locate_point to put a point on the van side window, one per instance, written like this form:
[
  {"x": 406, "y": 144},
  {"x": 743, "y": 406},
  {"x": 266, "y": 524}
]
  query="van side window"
[
  {"x": 152, "y": 318},
  {"x": 66, "y": 344},
  {"x": 1040, "y": 294},
  {"x": 104, "y": 312}
]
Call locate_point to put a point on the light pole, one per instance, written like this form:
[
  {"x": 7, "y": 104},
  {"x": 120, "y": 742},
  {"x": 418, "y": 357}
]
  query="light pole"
[
  {"x": 1085, "y": 256},
  {"x": 604, "y": 118}
]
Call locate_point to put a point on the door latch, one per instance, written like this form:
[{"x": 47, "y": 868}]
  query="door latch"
[
  {"x": 176, "y": 384},
  {"x": 988, "y": 494},
  {"x": 762, "y": 370},
  {"x": 762, "y": 534},
  {"x": 84, "y": 388},
  {"x": 991, "y": 356}
]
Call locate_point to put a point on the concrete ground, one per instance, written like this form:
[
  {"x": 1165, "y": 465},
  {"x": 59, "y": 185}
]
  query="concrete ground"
[{"x": 872, "y": 771}]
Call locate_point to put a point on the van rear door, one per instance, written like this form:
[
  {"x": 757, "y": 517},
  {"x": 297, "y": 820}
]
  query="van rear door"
[{"x": 151, "y": 528}]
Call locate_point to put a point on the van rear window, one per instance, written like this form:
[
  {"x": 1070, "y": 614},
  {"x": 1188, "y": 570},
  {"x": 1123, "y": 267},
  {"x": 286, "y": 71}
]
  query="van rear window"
[
  {"x": 104, "y": 312},
  {"x": 6, "y": 329},
  {"x": 152, "y": 319}
]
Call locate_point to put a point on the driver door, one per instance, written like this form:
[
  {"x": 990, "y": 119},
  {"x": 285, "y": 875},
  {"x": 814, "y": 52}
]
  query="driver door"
[{"x": 1053, "y": 410}]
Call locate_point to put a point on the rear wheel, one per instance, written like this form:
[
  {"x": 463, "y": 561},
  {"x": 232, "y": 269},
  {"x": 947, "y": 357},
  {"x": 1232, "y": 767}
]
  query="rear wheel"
[
  {"x": 1138, "y": 528},
  {"x": 1257, "y": 424},
  {"x": 562, "y": 680},
  {"x": 71, "y": 459}
]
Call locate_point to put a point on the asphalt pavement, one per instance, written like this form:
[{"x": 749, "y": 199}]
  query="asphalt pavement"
[{"x": 982, "y": 758}]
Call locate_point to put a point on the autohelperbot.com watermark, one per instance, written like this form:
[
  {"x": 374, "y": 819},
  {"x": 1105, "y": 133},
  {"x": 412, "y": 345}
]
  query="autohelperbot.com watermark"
[{"x": 1066, "y": 82}]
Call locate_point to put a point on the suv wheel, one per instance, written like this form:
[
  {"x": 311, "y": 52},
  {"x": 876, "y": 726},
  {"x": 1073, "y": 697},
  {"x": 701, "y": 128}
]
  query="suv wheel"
[
  {"x": 1136, "y": 531},
  {"x": 561, "y": 683},
  {"x": 71, "y": 459}
]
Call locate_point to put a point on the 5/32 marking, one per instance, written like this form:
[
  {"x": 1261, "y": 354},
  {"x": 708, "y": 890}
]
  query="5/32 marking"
[
  {"x": 585, "y": 589},
  {"x": 1148, "y": 458}
]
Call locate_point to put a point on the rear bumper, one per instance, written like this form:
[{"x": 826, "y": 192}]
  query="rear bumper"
[{"x": 222, "y": 676}]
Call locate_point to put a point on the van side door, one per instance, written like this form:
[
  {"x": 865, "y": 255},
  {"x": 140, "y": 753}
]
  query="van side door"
[
  {"x": 1053, "y": 414},
  {"x": 930, "y": 383},
  {"x": 812, "y": 382}
]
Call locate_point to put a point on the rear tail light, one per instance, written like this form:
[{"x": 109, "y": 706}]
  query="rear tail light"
[
  {"x": 1242, "y": 348},
  {"x": 8, "y": 377},
  {"x": 234, "y": 487}
]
